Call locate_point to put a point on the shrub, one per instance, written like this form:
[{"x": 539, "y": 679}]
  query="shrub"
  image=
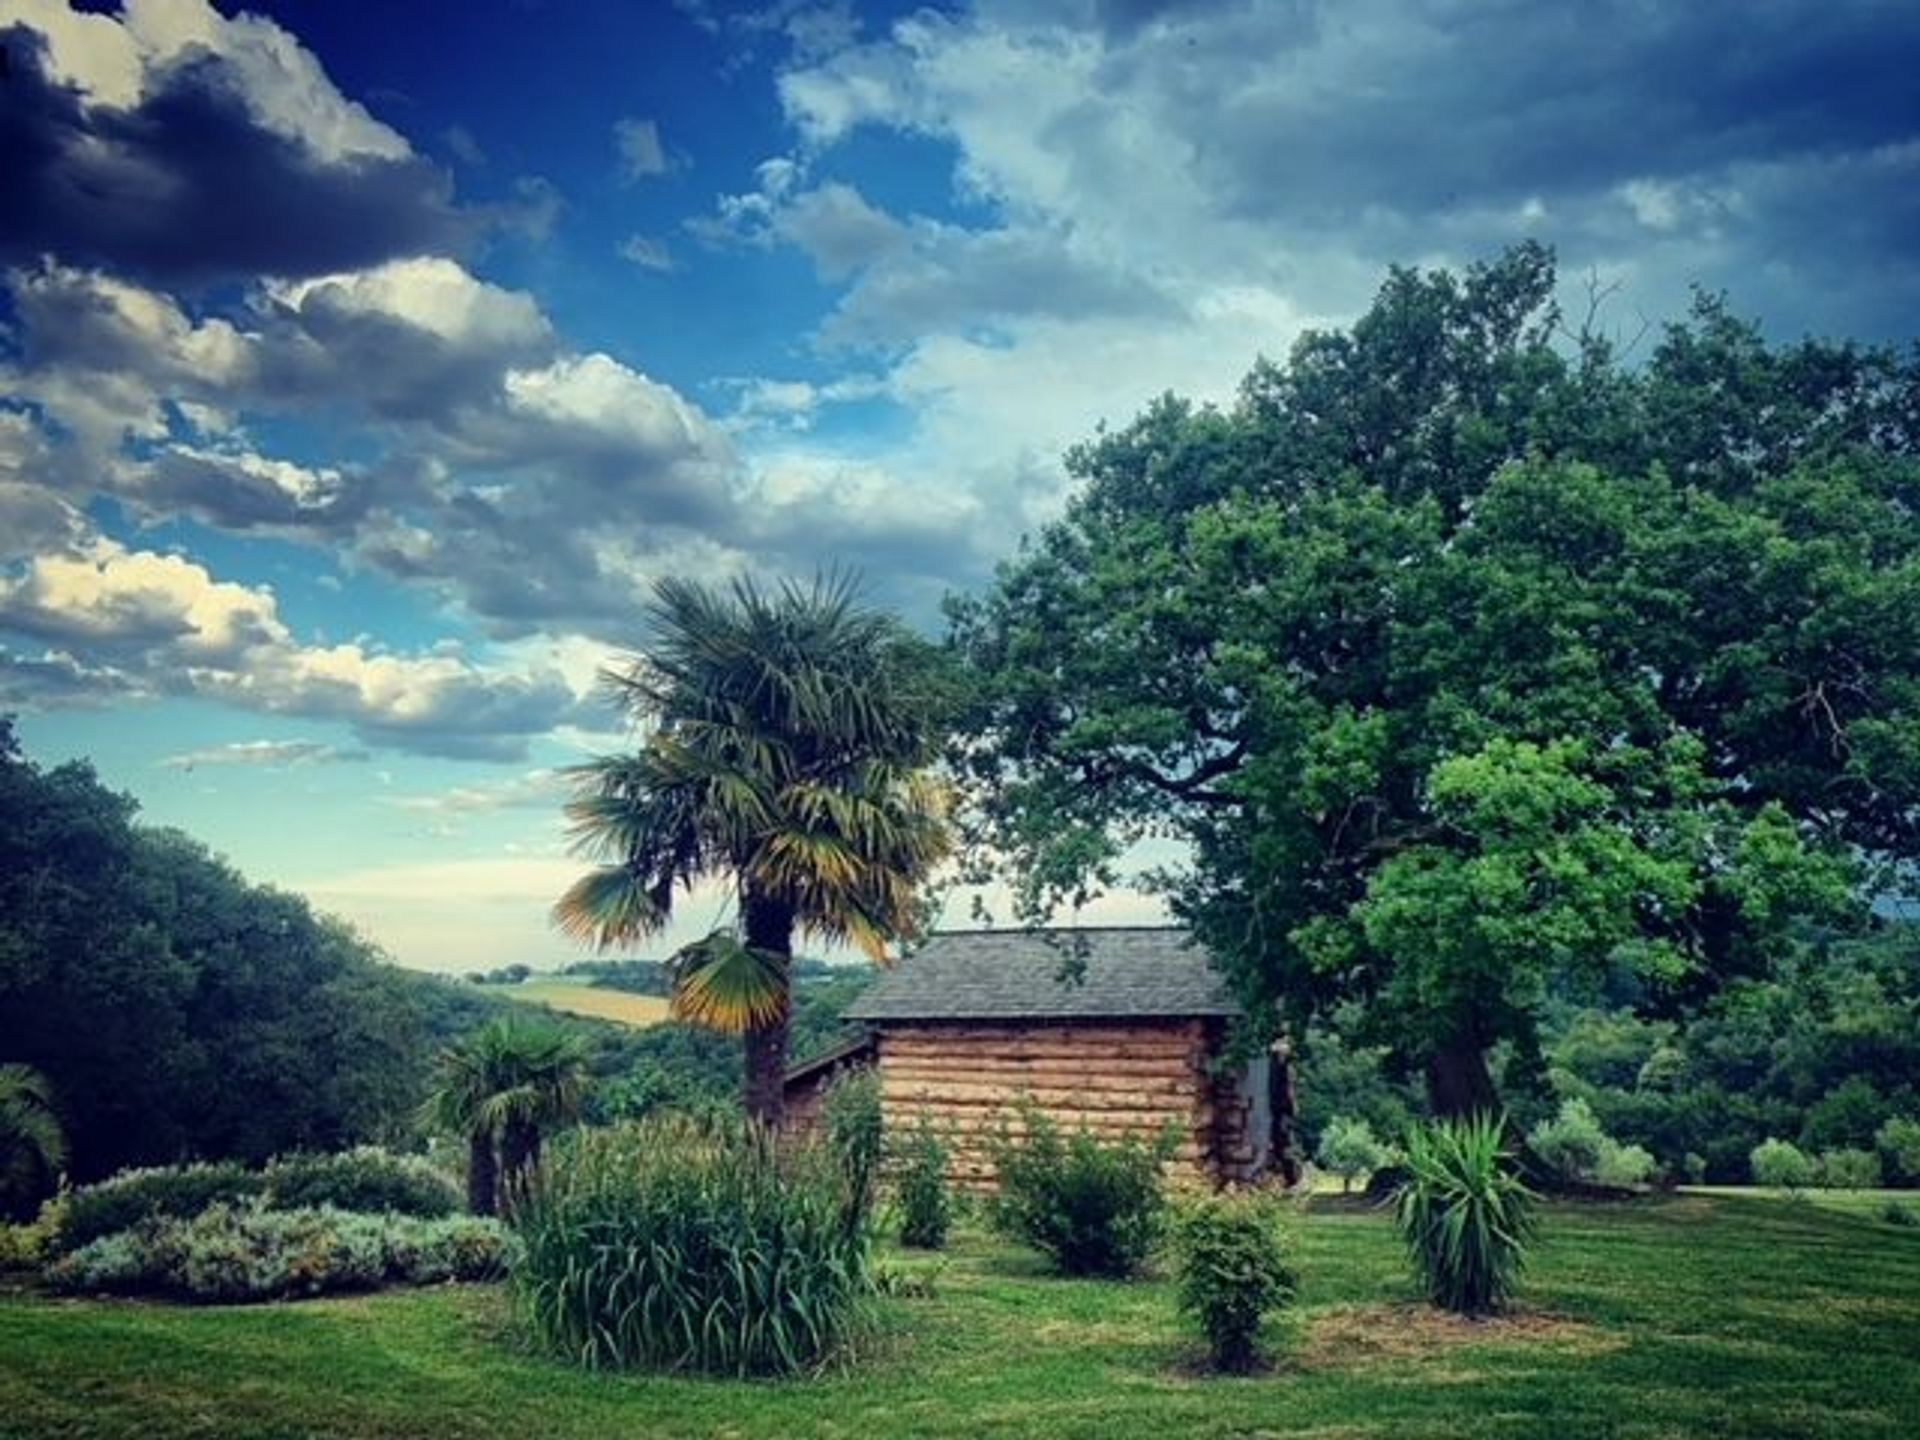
[
  {"x": 1466, "y": 1217},
  {"x": 851, "y": 1119},
  {"x": 669, "y": 1245},
  {"x": 1899, "y": 1141},
  {"x": 926, "y": 1203},
  {"x": 1231, "y": 1253},
  {"x": 234, "y": 1254},
  {"x": 1349, "y": 1149},
  {"x": 1093, "y": 1207},
  {"x": 1780, "y": 1164},
  {"x": 1574, "y": 1144},
  {"x": 1895, "y": 1212},
  {"x": 368, "y": 1179},
  {"x": 126, "y": 1199},
  {"x": 1850, "y": 1170},
  {"x": 29, "y": 1246}
]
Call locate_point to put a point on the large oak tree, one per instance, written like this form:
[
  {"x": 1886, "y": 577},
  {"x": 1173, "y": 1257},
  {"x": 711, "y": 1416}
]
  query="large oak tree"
[{"x": 1468, "y": 661}]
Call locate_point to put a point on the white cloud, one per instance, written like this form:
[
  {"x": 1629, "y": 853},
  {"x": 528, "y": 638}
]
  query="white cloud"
[
  {"x": 266, "y": 754},
  {"x": 429, "y": 293},
  {"x": 647, "y": 253},
  {"x": 641, "y": 153}
]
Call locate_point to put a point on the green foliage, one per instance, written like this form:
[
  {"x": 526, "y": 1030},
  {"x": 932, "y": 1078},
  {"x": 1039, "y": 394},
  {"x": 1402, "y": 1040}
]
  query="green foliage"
[
  {"x": 1781, "y": 1165},
  {"x": 177, "y": 1010},
  {"x": 665, "y": 1245},
  {"x": 366, "y": 1178},
  {"x": 1850, "y": 1170},
  {"x": 1895, "y": 1212},
  {"x": 921, "y": 1188},
  {"x": 1465, "y": 1215},
  {"x": 1232, "y": 1256},
  {"x": 1093, "y": 1207},
  {"x": 29, "y": 1246},
  {"x": 231, "y": 1254},
  {"x": 33, "y": 1142},
  {"x": 1350, "y": 1149},
  {"x": 1478, "y": 670},
  {"x": 1575, "y": 1146},
  {"x": 163, "y": 1191},
  {"x": 1899, "y": 1142},
  {"x": 851, "y": 1120}
]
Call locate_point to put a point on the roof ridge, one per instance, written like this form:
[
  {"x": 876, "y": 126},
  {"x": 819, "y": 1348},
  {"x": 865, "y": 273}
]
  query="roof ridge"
[{"x": 1056, "y": 930}]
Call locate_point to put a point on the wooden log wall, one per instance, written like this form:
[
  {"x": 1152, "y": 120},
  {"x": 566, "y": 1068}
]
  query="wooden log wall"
[{"x": 1116, "y": 1079}]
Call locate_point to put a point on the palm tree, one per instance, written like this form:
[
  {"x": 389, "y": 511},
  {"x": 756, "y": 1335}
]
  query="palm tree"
[
  {"x": 33, "y": 1143},
  {"x": 785, "y": 743},
  {"x": 504, "y": 1087}
]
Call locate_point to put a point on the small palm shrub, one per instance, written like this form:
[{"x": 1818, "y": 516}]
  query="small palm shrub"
[
  {"x": 367, "y": 1179},
  {"x": 1093, "y": 1207},
  {"x": 1232, "y": 1255},
  {"x": 1575, "y": 1145},
  {"x": 852, "y": 1121},
  {"x": 1781, "y": 1165},
  {"x": 1349, "y": 1148},
  {"x": 124, "y": 1200},
  {"x": 230, "y": 1254},
  {"x": 667, "y": 1245},
  {"x": 926, "y": 1201},
  {"x": 1850, "y": 1170},
  {"x": 1465, "y": 1215}
]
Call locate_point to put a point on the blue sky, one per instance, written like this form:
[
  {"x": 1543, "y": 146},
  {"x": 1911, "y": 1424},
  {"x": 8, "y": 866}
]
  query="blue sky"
[{"x": 362, "y": 365}]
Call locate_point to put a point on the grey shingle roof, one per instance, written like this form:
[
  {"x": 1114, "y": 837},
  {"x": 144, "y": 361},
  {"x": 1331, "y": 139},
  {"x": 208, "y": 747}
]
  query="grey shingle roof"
[{"x": 1015, "y": 974}]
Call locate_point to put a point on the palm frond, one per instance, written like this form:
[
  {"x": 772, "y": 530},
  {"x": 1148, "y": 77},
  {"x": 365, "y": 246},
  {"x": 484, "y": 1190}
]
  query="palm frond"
[
  {"x": 611, "y": 906},
  {"x": 727, "y": 985}
]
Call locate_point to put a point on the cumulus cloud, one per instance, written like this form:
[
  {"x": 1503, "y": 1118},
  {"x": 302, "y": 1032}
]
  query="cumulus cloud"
[
  {"x": 154, "y": 624},
  {"x": 264, "y": 754},
  {"x": 637, "y": 142},
  {"x": 532, "y": 790},
  {"x": 123, "y": 134}
]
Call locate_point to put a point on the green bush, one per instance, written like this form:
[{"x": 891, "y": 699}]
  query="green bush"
[
  {"x": 1466, "y": 1217},
  {"x": 1894, "y": 1212},
  {"x": 926, "y": 1201},
  {"x": 1349, "y": 1149},
  {"x": 1574, "y": 1144},
  {"x": 1899, "y": 1141},
  {"x": 178, "y": 1191},
  {"x": 234, "y": 1254},
  {"x": 1231, "y": 1252},
  {"x": 668, "y": 1245},
  {"x": 1093, "y": 1207},
  {"x": 1781, "y": 1165},
  {"x": 368, "y": 1179},
  {"x": 1850, "y": 1170},
  {"x": 852, "y": 1122}
]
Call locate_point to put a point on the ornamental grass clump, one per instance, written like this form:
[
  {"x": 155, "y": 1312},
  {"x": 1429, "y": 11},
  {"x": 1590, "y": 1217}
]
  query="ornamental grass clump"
[
  {"x": 1232, "y": 1255},
  {"x": 670, "y": 1245},
  {"x": 1466, "y": 1216},
  {"x": 1093, "y": 1207}
]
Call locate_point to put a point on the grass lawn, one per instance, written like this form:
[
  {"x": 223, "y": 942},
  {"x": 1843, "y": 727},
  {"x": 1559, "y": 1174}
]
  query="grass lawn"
[
  {"x": 615, "y": 1005},
  {"x": 1682, "y": 1316}
]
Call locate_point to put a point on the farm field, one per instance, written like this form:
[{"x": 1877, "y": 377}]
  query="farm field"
[
  {"x": 1679, "y": 1316},
  {"x": 616, "y": 1005}
]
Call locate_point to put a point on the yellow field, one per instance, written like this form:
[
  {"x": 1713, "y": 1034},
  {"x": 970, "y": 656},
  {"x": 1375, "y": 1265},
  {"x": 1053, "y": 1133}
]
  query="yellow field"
[{"x": 614, "y": 1005}]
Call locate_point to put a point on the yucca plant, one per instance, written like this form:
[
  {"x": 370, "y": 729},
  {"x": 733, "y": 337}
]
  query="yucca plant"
[
  {"x": 785, "y": 740},
  {"x": 672, "y": 1245},
  {"x": 1466, "y": 1216}
]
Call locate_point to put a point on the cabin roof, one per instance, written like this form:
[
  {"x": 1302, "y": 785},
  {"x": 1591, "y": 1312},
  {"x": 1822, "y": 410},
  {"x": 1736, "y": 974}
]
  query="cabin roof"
[{"x": 1138, "y": 973}]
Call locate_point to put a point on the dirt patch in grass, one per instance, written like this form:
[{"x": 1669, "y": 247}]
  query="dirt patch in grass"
[{"x": 1348, "y": 1337}]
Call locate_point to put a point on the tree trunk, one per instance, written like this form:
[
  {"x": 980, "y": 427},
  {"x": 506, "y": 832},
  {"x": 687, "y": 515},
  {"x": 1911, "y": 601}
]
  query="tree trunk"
[
  {"x": 483, "y": 1180},
  {"x": 769, "y": 927},
  {"x": 518, "y": 1146},
  {"x": 1458, "y": 1084},
  {"x": 1284, "y": 1113}
]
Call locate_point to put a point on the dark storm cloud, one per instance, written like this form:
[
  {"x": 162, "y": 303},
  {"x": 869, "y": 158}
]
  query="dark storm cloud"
[{"x": 186, "y": 187}]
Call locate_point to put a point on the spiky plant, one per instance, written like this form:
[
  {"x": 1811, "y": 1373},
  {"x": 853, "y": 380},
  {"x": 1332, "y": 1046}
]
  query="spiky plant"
[
  {"x": 33, "y": 1143},
  {"x": 784, "y": 744},
  {"x": 503, "y": 1088},
  {"x": 1466, "y": 1216}
]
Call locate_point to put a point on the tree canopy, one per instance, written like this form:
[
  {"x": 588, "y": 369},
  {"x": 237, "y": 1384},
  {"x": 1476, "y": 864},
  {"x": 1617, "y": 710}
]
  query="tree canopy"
[{"x": 1469, "y": 661}]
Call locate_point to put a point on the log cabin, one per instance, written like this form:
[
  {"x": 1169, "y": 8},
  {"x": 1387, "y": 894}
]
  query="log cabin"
[{"x": 1122, "y": 1031}]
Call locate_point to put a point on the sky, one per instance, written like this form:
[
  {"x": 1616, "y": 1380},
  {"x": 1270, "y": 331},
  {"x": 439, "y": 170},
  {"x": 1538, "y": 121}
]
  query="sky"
[{"x": 361, "y": 366}]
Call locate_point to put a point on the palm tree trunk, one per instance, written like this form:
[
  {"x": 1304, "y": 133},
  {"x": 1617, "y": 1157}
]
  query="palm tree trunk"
[
  {"x": 483, "y": 1179},
  {"x": 769, "y": 926},
  {"x": 518, "y": 1144}
]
